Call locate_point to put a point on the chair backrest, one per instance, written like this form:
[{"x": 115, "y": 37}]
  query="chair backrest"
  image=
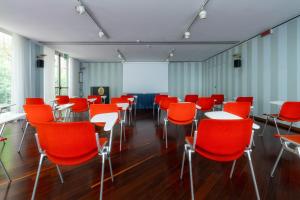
[
  {"x": 102, "y": 108},
  {"x": 62, "y": 100},
  {"x": 223, "y": 140},
  {"x": 159, "y": 97},
  {"x": 241, "y": 109},
  {"x": 245, "y": 99},
  {"x": 34, "y": 101},
  {"x": 68, "y": 143},
  {"x": 191, "y": 98},
  {"x": 38, "y": 113},
  {"x": 219, "y": 98},
  {"x": 80, "y": 104},
  {"x": 119, "y": 100},
  {"x": 165, "y": 102},
  {"x": 97, "y": 97},
  {"x": 290, "y": 111},
  {"x": 182, "y": 113},
  {"x": 206, "y": 103}
]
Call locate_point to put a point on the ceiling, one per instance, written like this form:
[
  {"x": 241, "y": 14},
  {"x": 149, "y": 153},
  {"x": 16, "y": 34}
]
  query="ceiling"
[{"x": 158, "y": 24}]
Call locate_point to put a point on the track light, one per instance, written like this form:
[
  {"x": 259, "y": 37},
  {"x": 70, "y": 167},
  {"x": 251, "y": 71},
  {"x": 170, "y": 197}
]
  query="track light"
[
  {"x": 187, "y": 35},
  {"x": 171, "y": 54},
  {"x": 80, "y": 9},
  {"x": 203, "y": 14},
  {"x": 101, "y": 34},
  {"x": 120, "y": 56}
]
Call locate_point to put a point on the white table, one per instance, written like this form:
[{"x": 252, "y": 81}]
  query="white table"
[
  {"x": 5, "y": 106},
  {"x": 198, "y": 107},
  {"x": 226, "y": 116},
  {"x": 65, "y": 107},
  {"x": 108, "y": 118},
  {"x": 278, "y": 103},
  {"x": 124, "y": 106},
  {"x": 8, "y": 117},
  {"x": 103, "y": 98},
  {"x": 92, "y": 100}
]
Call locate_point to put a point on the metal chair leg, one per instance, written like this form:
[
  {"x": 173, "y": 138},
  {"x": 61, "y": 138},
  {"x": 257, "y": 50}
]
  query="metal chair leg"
[
  {"x": 232, "y": 169},
  {"x": 59, "y": 174},
  {"x": 262, "y": 133},
  {"x": 275, "y": 121},
  {"x": 290, "y": 127},
  {"x": 5, "y": 172},
  {"x": 158, "y": 112},
  {"x": 253, "y": 175},
  {"x": 191, "y": 175},
  {"x": 110, "y": 168},
  {"x": 37, "y": 176},
  {"x": 276, "y": 162},
  {"x": 121, "y": 136},
  {"x": 166, "y": 132},
  {"x": 102, "y": 176},
  {"x": 182, "y": 164},
  {"x": 23, "y": 136}
]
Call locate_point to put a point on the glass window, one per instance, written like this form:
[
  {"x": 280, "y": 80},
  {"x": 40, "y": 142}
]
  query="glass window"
[
  {"x": 61, "y": 74},
  {"x": 5, "y": 67}
]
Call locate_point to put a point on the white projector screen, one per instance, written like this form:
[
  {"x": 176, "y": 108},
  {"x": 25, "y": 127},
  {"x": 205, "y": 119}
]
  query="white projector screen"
[{"x": 145, "y": 77}]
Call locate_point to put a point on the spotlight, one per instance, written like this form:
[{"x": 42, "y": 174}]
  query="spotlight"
[
  {"x": 187, "y": 35},
  {"x": 120, "y": 56},
  {"x": 80, "y": 9},
  {"x": 171, "y": 54},
  {"x": 101, "y": 33},
  {"x": 203, "y": 14}
]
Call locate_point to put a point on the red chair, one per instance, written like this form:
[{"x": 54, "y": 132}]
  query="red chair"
[
  {"x": 97, "y": 97},
  {"x": 245, "y": 99},
  {"x": 70, "y": 143},
  {"x": 132, "y": 103},
  {"x": 2, "y": 139},
  {"x": 193, "y": 98},
  {"x": 80, "y": 105},
  {"x": 223, "y": 141},
  {"x": 241, "y": 109},
  {"x": 60, "y": 100},
  {"x": 34, "y": 101},
  {"x": 205, "y": 103},
  {"x": 289, "y": 112},
  {"x": 157, "y": 99},
  {"x": 36, "y": 114},
  {"x": 117, "y": 100},
  {"x": 108, "y": 108},
  {"x": 218, "y": 98},
  {"x": 180, "y": 114},
  {"x": 164, "y": 105}
]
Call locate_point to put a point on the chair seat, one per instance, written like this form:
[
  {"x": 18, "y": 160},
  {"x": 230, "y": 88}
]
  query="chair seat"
[
  {"x": 180, "y": 122},
  {"x": 293, "y": 138},
  {"x": 219, "y": 157}
]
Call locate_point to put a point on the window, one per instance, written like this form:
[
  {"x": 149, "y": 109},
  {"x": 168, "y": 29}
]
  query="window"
[
  {"x": 5, "y": 67},
  {"x": 61, "y": 74}
]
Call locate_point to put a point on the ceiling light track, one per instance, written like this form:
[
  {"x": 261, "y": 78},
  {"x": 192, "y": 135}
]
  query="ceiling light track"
[
  {"x": 202, "y": 14},
  {"x": 171, "y": 55},
  {"x": 81, "y": 8},
  {"x": 121, "y": 55},
  {"x": 134, "y": 43}
]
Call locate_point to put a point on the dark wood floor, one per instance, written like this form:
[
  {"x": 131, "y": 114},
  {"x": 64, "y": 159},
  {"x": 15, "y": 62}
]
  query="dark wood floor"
[{"x": 146, "y": 170}]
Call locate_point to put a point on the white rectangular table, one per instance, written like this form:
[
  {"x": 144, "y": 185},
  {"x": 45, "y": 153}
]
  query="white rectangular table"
[
  {"x": 278, "y": 103},
  {"x": 5, "y": 106},
  {"x": 92, "y": 100},
  {"x": 226, "y": 116},
  {"x": 108, "y": 118},
  {"x": 65, "y": 107},
  {"x": 8, "y": 117}
]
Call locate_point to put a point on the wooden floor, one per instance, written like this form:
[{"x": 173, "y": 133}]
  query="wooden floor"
[{"x": 146, "y": 170}]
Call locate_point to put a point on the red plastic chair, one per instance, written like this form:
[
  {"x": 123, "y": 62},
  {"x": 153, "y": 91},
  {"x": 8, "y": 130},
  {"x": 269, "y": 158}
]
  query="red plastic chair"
[
  {"x": 97, "y": 97},
  {"x": 60, "y": 100},
  {"x": 131, "y": 103},
  {"x": 2, "y": 139},
  {"x": 223, "y": 141},
  {"x": 36, "y": 114},
  {"x": 70, "y": 143},
  {"x": 157, "y": 99},
  {"x": 218, "y": 98},
  {"x": 245, "y": 99},
  {"x": 164, "y": 105},
  {"x": 180, "y": 114},
  {"x": 108, "y": 108},
  {"x": 193, "y": 98},
  {"x": 34, "y": 101},
  {"x": 80, "y": 105},
  {"x": 241, "y": 109},
  {"x": 116, "y": 100},
  {"x": 205, "y": 103},
  {"x": 289, "y": 112}
]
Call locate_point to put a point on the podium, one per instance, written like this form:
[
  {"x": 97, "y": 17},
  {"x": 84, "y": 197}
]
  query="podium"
[{"x": 102, "y": 91}]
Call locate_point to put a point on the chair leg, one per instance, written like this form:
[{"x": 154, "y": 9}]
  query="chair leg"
[
  {"x": 5, "y": 172},
  {"x": 110, "y": 168},
  {"x": 158, "y": 112},
  {"x": 275, "y": 121},
  {"x": 59, "y": 174},
  {"x": 191, "y": 175},
  {"x": 23, "y": 136},
  {"x": 37, "y": 176},
  {"x": 102, "y": 176},
  {"x": 290, "y": 127},
  {"x": 262, "y": 133},
  {"x": 277, "y": 161},
  {"x": 124, "y": 136},
  {"x": 182, "y": 164},
  {"x": 121, "y": 136},
  {"x": 232, "y": 169},
  {"x": 166, "y": 133},
  {"x": 153, "y": 110},
  {"x": 253, "y": 175}
]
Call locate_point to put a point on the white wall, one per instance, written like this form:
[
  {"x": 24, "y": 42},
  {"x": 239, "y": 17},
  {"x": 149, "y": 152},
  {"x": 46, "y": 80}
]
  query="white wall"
[
  {"x": 49, "y": 84},
  {"x": 74, "y": 66}
]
